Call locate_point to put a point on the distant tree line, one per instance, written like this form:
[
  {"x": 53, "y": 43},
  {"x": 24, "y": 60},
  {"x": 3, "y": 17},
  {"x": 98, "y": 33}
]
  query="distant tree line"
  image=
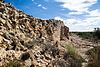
[{"x": 95, "y": 35}]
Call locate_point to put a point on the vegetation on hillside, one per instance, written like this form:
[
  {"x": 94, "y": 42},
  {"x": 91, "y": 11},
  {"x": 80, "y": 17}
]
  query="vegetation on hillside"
[
  {"x": 94, "y": 57},
  {"x": 72, "y": 52},
  {"x": 95, "y": 35}
]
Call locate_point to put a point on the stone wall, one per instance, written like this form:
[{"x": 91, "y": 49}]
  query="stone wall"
[{"x": 21, "y": 33}]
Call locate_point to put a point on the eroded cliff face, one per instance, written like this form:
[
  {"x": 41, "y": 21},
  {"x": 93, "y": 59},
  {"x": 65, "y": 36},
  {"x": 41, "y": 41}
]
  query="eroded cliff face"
[{"x": 31, "y": 41}]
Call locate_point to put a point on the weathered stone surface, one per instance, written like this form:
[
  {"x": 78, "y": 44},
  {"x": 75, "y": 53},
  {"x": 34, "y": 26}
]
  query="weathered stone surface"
[
  {"x": 25, "y": 56},
  {"x": 32, "y": 41},
  {"x": 64, "y": 33},
  {"x": 1, "y": 0}
]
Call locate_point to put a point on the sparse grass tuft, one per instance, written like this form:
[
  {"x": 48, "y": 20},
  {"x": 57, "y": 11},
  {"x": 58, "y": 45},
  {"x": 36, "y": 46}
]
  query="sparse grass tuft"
[
  {"x": 76, "y": 58},
  {"x": 13, "y": 64},
  {"x": 71, "y": 50}
]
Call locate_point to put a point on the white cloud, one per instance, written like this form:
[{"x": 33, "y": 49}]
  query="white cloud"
[
  {"x": 39, "y": 5},
  {"x": 44, "y": 8},
  {"x": 77, "y": 5},
  {"x": 94, "y": 13},
  {"x": 75, "y": 13},
  {"x": 32, "y": 0},
  {"x": 86, "y": 24},
  {"x": 58, "y": 18},
  {"x": 71, "y": 21},
  {"x": 80, "y": 18},
  {"x": 91, "y": 21}
]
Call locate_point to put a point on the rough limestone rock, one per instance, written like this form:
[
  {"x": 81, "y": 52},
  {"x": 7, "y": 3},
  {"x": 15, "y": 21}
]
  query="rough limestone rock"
[
  {"x": 1, "y": 0},
  {"x": 31, "y": 41}
]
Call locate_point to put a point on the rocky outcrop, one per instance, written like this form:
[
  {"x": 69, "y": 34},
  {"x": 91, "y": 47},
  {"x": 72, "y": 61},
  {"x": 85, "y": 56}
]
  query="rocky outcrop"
[
  {"x": 32, "y": 41},
  {"x": 1, "y": 0},
  {"x": 64, "y": 33}
]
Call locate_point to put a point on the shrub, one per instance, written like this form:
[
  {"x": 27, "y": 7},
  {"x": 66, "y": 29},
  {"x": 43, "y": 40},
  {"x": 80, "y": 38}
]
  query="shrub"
[
  {"x": 94, "y": 57},
  {"x": 76, "y": 60},
  {"x": 71, "y": 49}
]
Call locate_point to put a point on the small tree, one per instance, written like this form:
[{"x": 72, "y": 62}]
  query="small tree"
[{"x": 97, "y": 33}]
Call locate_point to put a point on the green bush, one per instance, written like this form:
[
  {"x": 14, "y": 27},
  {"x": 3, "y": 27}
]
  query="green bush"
[
  {"x": 94, "y": 57},
  {"x": 76, "y": 60},
  {"x": 71, "y": 50}
]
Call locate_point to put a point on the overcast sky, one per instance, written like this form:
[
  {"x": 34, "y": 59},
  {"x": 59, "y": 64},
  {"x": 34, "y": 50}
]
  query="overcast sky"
[{"x": 78, "y": 15}]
